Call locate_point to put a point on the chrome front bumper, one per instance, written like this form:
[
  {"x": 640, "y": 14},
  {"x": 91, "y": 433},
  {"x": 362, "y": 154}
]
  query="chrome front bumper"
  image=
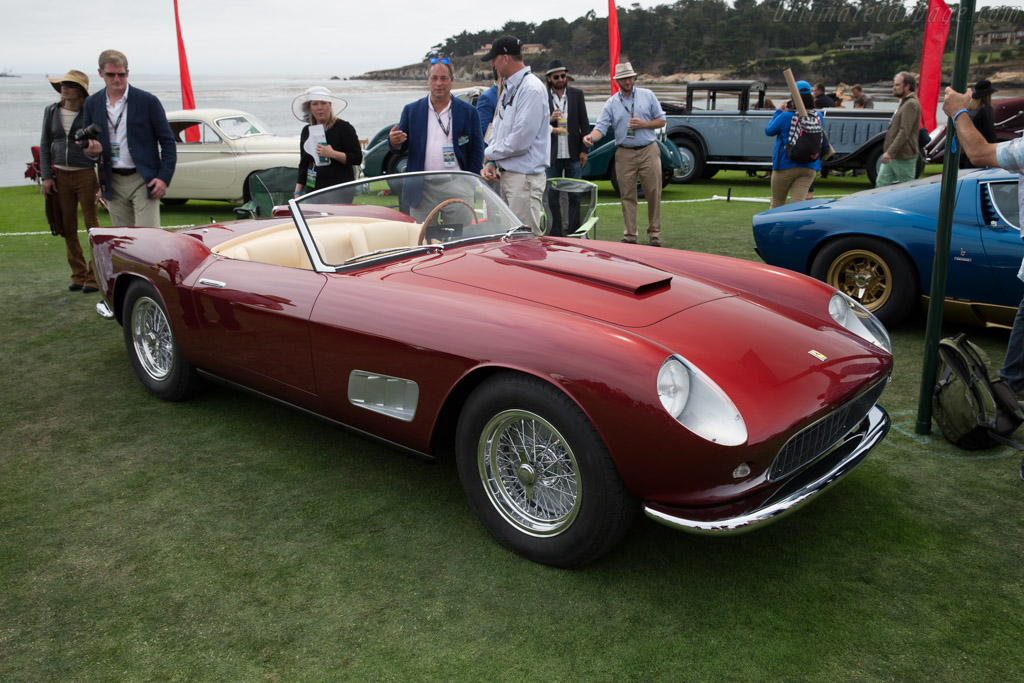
[
  {"x": 793, "y": 494},
  {"x": 104, "y": 311}
]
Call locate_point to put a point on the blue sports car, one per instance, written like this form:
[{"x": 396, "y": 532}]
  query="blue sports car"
[{"x": 877, "y": 246}]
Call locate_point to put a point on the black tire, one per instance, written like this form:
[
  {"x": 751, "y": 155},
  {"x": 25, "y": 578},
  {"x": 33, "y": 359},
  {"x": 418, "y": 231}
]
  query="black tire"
[
  {"x": 173, "y": 202},
  {"x": 874, "y": 161},
  {"x": 875, "y": 273},
  {"x": 152, "y": 348},
  {"x": 537, "y": 473},
  {"x": 396, "y": 164},
  {"x": 613, "y": 177},
  {"x": 693, "y": 160},
  {"x": 709, "y": 172}
]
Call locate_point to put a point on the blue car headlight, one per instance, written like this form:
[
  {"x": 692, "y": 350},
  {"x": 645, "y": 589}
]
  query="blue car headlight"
[
  {"x": 699, "y": 404},
  {"x": 852, "y": 315}
]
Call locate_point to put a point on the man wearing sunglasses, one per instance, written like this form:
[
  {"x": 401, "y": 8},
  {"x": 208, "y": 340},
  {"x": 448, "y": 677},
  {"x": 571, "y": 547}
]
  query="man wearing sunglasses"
[
  {"x": 440, "y": 133},
  {"x": 136, "y": 143},
  {"x": 569, "y": 123},
  {"x": 520, "y": 140}
]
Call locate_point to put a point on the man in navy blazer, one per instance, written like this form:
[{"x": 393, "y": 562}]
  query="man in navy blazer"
[
  {"x": 440, "y": 133},
  {"x": 138, "y": 148}
]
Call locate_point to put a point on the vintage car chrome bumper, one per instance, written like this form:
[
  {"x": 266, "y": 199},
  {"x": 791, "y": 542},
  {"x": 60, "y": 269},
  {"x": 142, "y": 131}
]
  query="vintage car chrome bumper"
[
  {"x": 104, "y": 311},
  {"x": 793, "y": 494}
]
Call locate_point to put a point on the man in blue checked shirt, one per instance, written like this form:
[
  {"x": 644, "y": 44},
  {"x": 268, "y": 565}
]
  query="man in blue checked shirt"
[
  {"x": 1009, "y": 156},
  {"x": 634, "y": 115}
]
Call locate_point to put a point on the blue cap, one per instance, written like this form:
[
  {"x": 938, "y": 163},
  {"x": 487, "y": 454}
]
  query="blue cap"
[{"x": 803, "y": 86}]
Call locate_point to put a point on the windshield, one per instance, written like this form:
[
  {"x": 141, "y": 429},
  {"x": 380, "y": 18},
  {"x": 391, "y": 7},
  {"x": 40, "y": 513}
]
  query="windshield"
[
  {"x": 242, "y": 126},
  {"x": 392, "y": 216}
]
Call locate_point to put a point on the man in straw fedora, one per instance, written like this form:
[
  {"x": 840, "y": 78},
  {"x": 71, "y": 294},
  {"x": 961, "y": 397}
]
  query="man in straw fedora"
[{"x": 634, "y": 115}]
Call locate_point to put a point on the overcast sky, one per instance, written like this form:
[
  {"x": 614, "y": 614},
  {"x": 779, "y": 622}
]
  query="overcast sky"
[{"x": 341, "y": 38}]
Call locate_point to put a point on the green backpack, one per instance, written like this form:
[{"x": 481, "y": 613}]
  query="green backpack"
[{"x": 973, "y": 409}]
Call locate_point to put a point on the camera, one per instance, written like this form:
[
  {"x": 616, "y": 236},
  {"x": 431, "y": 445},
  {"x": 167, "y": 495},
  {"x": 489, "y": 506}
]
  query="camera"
[{"x": 83, "y": 135}]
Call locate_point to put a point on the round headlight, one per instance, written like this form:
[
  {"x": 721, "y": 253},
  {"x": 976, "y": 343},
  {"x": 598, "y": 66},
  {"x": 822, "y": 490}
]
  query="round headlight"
[{"x": 673, "y": 386}]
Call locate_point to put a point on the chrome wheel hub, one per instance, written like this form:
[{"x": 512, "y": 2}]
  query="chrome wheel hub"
[{"x": 529, "y": 472}]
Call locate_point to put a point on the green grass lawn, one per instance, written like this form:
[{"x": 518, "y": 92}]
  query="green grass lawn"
[{"x": 226, "y": 538}]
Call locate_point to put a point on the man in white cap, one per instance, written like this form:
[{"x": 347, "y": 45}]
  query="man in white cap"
[
  {"x": 520, "y": 140},
  {"x": 634, "y": 115}
]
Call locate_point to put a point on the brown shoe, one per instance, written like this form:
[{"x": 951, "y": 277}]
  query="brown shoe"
[
  {"x": 655, "y": 242},
  {"x": 626, "y": 240}
]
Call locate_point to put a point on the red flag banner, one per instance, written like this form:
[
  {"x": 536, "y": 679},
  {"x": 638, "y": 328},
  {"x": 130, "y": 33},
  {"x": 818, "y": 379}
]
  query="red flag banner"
[
  {"x": 613, "y": 42},
  {"x": 188, "y": 100},
  {"x": 936, "y": 31}
]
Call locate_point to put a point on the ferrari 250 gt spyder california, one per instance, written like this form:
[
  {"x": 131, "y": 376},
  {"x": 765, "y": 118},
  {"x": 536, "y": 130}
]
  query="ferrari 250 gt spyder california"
[{"x": 577, "y": 381}]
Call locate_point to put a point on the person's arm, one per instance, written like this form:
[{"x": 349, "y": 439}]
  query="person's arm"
[
  {"x": 907, "y": 121},
  {"x": 775, "y": 126},
  {"x": 168, "y": 150},
  {"x": 604, "y": 122},
  {"x": 531, "y": 115},
  {"x": 973, "y": 144},
  {"x": 45, "y": 141},
  {"x": 475, "y": 160},
  {"x": 304, "y": 161},
  {"x": 485, "y": 111},
  {"x": 348, "y": 150},
  {"x": 398, "y": 138}
]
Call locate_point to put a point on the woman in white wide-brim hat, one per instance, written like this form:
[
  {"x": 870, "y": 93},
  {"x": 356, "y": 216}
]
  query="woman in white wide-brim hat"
[{"x": 337, "y": 154}]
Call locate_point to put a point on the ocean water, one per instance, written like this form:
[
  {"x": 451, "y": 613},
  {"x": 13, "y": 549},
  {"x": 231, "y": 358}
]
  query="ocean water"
[{"x": 371, "y": 104}]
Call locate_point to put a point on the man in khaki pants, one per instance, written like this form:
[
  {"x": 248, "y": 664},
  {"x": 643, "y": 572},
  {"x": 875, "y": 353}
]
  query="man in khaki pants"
[{"x": 634, "y": 115}]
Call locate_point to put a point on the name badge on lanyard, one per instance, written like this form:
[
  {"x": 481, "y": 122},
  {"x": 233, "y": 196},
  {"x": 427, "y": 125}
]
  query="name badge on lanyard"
[
  {"x": 447, "y": 151},
  {"x": 311, "y": 177},
  {"x": 115, "y": 147}
]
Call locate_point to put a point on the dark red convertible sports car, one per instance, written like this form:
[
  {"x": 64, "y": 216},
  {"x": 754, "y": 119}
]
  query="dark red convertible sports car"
[{"x": 578, "y": 381}]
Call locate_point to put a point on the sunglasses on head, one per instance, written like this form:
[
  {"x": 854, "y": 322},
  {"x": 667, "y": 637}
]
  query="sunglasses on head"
[{"x": 443, "y": 60}]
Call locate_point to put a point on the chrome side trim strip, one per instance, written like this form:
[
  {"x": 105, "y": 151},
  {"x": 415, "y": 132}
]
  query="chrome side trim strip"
[
  {"x": 212, "y": 283},
  {"x": 785, "y": 500},
  {"x": 391, "y": 396}
]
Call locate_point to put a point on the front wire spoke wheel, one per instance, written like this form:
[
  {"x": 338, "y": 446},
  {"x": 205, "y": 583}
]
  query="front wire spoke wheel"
[
  {"x": 153, "y": 341},
  {"x": 529, "y": 472}
]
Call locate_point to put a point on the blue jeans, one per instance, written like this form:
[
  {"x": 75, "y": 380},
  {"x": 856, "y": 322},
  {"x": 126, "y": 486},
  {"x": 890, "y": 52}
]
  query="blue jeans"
[
  {"x": 563, "y": 168},
  {"x": 1013, "y": 366}
]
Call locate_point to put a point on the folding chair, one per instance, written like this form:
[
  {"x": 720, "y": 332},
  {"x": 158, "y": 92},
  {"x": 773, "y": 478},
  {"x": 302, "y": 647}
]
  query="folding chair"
[
  {"x": 565, "y": 191},
  {"x": 268, "y": 188}
]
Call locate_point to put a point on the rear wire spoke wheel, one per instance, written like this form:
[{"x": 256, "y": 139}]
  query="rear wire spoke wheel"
[
  {"x": 537, "y": 473},
  {"x": 152, "y": 348}
]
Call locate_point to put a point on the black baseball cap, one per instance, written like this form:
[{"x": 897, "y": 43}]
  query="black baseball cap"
[{"x": 506, "y": 45}]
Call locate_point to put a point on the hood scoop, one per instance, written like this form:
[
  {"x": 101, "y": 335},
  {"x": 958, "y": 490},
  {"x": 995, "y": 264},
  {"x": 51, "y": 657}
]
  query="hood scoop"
[{"x": 624, "y": 276}]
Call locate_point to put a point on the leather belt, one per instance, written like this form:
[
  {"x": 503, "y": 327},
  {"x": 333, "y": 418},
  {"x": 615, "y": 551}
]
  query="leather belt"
[{"x": 124, "y": 171}]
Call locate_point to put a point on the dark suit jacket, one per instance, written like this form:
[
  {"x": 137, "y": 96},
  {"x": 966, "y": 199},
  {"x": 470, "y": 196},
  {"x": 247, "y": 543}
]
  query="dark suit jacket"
[
  {"x": 577, "y": 122},
  {"x": 466, "y": 137},
  {"x": 150, "y": 141}
]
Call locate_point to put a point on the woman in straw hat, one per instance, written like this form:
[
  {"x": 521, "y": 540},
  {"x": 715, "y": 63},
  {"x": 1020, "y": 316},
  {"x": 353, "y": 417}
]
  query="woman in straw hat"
[
  {"x": 338, "y": 154},
  {"x": 69, "y": 176}
]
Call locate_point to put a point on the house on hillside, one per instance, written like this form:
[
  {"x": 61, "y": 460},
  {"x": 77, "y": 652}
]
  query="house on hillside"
[
  {"x": 865, "y": 42},
  {"x": 999, "y": 35}
]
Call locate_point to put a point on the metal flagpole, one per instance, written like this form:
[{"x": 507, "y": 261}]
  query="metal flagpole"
[{"x": 943, "y": 228}]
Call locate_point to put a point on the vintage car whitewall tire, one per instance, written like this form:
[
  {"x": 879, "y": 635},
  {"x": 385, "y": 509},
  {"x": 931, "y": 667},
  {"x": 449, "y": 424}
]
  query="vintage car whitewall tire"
[
  {"x": 538, "y": 475},
  {"x": 875, "y": 273},
  {"x": 152, "y": 348}
]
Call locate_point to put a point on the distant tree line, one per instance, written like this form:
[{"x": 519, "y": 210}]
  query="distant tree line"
[{"x": 746, "y": 38}]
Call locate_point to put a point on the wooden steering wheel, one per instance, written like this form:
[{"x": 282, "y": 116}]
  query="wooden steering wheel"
[{"x": 437, "y": 209}]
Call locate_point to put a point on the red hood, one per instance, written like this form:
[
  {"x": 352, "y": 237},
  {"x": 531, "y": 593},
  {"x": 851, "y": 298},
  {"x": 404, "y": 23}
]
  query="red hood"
[{"x": 580, "y": 279}]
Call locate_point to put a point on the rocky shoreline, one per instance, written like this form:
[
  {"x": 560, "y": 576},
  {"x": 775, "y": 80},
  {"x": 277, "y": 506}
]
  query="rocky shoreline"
[{"x": 469, "y": 72}]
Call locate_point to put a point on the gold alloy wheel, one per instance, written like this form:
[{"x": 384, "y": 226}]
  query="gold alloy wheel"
[{"x": 863, "y": 275}]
